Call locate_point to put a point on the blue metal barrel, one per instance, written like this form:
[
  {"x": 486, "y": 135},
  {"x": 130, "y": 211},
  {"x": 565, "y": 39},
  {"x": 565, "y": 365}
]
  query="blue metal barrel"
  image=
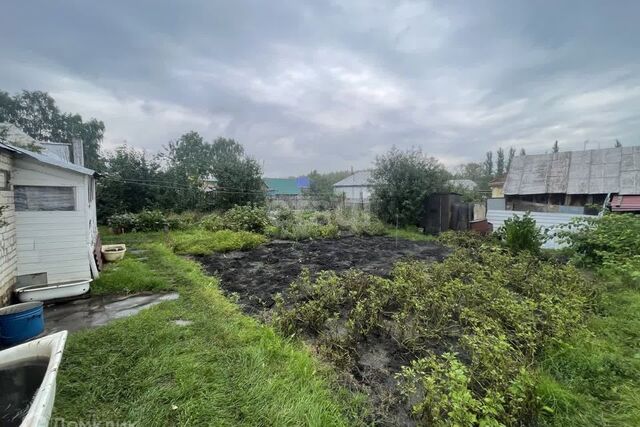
[{"x": 20, "y": 322}]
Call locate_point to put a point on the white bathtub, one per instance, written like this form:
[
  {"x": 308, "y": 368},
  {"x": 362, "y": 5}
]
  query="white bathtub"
[
  {"x": 51, "y": 348},
  {"x": 53, "y": 291}
]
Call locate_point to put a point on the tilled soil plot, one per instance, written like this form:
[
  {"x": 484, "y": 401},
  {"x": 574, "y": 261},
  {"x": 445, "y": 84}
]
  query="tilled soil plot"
[{"x": 256, "y": 275}]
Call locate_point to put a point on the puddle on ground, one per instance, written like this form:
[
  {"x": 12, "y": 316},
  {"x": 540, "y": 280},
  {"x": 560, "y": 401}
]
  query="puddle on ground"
[
  {"x": 19, "y": 383},
  {"x": 99, "y": 310}
]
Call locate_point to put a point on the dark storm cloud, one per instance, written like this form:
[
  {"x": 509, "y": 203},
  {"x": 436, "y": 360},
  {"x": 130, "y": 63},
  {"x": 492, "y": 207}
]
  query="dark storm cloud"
[{"x": 329, "y": 85}]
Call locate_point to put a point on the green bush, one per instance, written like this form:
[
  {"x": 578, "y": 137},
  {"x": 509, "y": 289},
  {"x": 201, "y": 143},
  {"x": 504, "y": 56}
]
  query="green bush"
[
  {"x": 123, "y": 223},
  {"x": 610, "y": 244},
  {"x": 239, "y": 218},
  {"x": 151, "y": 221},
  {"x": 520, "y": 233},
  {"x": 291, "y": 225}
]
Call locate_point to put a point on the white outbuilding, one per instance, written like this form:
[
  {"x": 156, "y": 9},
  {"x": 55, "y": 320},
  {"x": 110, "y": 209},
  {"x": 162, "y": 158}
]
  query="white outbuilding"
[
  {"x": 49, "y": 233},
  {"x": 356, "y": 188}
]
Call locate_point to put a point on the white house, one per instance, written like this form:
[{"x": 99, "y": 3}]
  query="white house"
[
  {"x": 50, "y": 235},
  {"x": 356, "y": 188}
]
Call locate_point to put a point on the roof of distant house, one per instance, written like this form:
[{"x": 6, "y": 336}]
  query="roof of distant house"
[
  {"x": 609, "y": 170},
  {"x": 465, "y": 184},
  {"x": 282, "y": 186},
  {"x": 625, "y": 204},
  {"x": 358, "y": 179}
]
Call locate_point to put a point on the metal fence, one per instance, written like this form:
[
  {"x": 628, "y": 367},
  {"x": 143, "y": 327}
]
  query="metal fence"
[{"x": 544, "y": 220}]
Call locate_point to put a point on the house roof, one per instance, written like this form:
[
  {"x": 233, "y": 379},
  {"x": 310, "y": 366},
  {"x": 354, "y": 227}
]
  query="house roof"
[
  {"x": 358, "y": 179},
  {"x": 610, "y": 170},
  {"x": 282, "y": 186},
  {"x": 48, "y": 160},
  {"x": 625, "y": 204}
]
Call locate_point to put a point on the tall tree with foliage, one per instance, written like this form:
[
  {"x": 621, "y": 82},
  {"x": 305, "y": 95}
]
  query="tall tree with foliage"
[
  {"x": 618, "y": 144},
  {"x": 488, "y": 164},
  {"x": 523, "y": 152},
  {"x": 401, "y": 182},
  {"x": 37, "y": 114},
  {"x": 131, "y": 183},
  {"x": 512, "y": 154},
  {"x": 556, "y": 147},
  {"x": 239, "y": 177},
  {"x": 500, "y": 162}
]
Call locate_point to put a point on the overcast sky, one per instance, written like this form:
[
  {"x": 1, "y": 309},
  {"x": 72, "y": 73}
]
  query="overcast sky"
[{"x": 331, "y": 84}]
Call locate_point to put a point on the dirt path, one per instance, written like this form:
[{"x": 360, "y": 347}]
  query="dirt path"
[{"x": 256, "y": 275}]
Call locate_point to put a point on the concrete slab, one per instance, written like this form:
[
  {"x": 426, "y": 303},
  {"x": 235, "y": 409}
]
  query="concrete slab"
[{"x": 98, "y": 310}]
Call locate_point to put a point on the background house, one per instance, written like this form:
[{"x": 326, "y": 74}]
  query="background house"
[
  {"x": 51, "y": 235},
  {"x": 559, "y": 181},
  {"x": 278, "y": 187},
  {"x": 356, "y": 188}
]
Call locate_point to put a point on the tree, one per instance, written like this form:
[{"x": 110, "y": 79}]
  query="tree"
[
  {"x": 512, "y": 154},
  {"x": 239, "y": 177},
  {"x": 556, "y": 148},
  {"x": 37, "y": 114},
  {"x": 401, "y": 181},
  {"x": 522, "y": 152},
  {"x": 500, "y": 162},
  {"x": 488, "y": 164},
  {"x": 618, "y": 144},
  {"x": 131, "y": 183}
]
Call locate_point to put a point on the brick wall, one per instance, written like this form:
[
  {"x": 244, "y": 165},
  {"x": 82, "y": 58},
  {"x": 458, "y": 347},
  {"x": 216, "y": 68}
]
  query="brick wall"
[{"x": 7, "y": 235}]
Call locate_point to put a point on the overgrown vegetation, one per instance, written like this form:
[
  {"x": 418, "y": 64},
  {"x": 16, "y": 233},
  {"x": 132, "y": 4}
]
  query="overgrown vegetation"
[
  {"x": 239, "y": 218},
  {"x": 593, "y": 378},
  {"x": 291, "y": 225},
  {"x": 223, "y": 368},
  {"x": 470, "y": 328}
]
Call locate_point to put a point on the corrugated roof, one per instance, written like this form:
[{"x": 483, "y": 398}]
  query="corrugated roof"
[
  {"x": 49, "y": 160},
  {"x": 282, "y": 186},
  {"x": 610, "y": 170},
  {"x": 625, "y": 204},
  {"x": 358, "y": 179}
]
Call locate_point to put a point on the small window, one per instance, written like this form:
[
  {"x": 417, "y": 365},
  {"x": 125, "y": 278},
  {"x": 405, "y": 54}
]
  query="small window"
[{"x": 41, "y": 198}]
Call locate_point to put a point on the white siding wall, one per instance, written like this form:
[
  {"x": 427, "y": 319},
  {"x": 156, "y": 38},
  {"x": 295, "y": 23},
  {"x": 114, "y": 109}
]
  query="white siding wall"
[
  {"x": 8, "y": 257},
  {"x": 55, "y": 242},
  {"x": 354, "y": 193},
  {"x": 544, "y": 220}
]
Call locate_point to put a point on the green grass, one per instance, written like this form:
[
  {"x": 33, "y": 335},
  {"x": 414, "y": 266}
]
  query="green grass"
[
  {"x": 203, "y": 242},
  {"x": 224, "y": 369},
  {"x": 409, "y": 233},
  {"x": 594, "y": 378},
  {"x": 128, "y": 276}
]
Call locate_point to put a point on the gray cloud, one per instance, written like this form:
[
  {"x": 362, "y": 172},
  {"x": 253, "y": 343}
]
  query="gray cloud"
[{"x": 329, "y": 85}]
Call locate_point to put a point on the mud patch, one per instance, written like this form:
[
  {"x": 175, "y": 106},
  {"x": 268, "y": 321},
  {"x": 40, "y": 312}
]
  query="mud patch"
[{"x": 255, "y": 276}]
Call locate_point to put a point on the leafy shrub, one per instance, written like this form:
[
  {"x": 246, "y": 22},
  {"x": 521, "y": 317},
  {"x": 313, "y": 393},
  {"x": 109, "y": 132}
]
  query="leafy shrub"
[
  {"x": 610, "y": 243},
  {"x": 522, "y": 234},
  {"x": 473, "y": 326},
  {"x": 290, "y": 225},
  {"x": 151, "y": 221},
  {"x": 123, "y": 223},
  {"x": 201, "y": 242},
  {"x": 239, "y": 218}
]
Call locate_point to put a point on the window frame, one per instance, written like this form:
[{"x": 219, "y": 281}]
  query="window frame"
[{"x": 19, "y": 208}]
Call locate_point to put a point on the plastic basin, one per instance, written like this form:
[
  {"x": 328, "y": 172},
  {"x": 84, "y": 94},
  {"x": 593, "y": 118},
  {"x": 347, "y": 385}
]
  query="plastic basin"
[{"x": 20, "y": 322}]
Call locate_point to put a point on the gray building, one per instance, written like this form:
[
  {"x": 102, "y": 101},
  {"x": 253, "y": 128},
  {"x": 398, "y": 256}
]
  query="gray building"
[{"x": 574, "y": 178}]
